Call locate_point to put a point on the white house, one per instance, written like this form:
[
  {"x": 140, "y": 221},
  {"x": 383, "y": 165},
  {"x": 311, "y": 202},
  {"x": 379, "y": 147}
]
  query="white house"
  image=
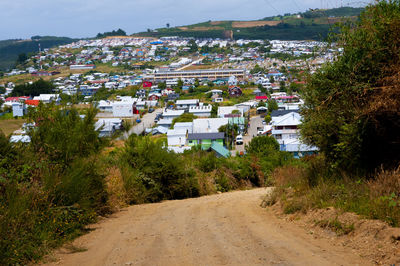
[
  {"x": 201, "y": 111},
  {"x": 177, "y": 137},
  {"x": 122, "y": 109},
  {"x": 186, "y": 104},
  {"x": 285, "y": 130},
  {"x": 169, "y": 114},
  {"x": 208, "y": 125},
  {"x": 48, "y": 98},
  {"x": 105, "y": 106},
  {"x": 107, "y": 126},
  {"x": 18, "y": 109},
  {"x": 223, "y": 111}
]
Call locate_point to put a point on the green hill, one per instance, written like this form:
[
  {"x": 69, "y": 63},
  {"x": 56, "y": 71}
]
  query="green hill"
[
  {"x": 10, "y": 49},
  {"x": 311, "y": 25}
]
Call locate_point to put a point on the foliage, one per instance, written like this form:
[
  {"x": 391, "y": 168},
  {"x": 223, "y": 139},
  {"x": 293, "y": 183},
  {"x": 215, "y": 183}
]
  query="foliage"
[
  {"x": 154, "y": 173},
  {"x": 315, "y": 187},
  {"x": 51, "y": 188},
  {"x": 272, "y": 105},
  {"x": 36, "y": 88},
  {"x": 351, "y": 105},
  {"x": 257, "y": 69},
  {"x": 118, "y": 32},
  {"x": 185, "y": 117},
  {"x": 22, "y": 58},
  {"x": 10, "y": 49}
]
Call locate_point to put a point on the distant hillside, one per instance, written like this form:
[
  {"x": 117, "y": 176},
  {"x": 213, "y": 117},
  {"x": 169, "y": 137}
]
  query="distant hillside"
[
  {"x": 10, "y": 49},
  {"x": 311, "y": 25}
]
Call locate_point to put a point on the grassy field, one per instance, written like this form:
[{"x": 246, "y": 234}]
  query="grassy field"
[{"x": 8, "y": 126}]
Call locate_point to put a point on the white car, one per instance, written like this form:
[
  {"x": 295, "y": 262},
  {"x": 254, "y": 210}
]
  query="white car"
[{"x": 239, "y": 140}]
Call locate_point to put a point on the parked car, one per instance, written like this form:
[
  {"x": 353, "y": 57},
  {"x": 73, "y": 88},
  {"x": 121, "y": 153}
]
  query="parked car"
[
  {"x": 239, "y": 140},
  {"x": 138, "y": 120},
  {"x": 151, "y": 110},
  {"x": 158, "y": 116}
]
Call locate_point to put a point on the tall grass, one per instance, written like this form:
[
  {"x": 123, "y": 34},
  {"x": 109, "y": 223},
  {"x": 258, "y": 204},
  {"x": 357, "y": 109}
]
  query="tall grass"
[{"x": 300, "y": 188}]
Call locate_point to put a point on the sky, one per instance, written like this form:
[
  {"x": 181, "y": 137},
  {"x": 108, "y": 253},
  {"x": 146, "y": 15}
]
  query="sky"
[{"x": 86, "y": 18}]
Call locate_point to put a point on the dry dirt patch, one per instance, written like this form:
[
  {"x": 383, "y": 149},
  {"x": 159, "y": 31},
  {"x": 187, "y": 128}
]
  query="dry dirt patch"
[{"x": 251, "y": 24}]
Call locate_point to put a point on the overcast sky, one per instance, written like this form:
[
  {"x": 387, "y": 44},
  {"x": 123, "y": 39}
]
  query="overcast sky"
[{"x": 85, "y": 18}]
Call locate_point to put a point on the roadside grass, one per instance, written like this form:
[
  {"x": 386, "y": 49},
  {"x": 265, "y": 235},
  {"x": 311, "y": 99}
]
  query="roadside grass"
[
  {"x": 8, "y": 126},
  {"x": 305, "y": 187},
  {"x": 336, "y": 226}
]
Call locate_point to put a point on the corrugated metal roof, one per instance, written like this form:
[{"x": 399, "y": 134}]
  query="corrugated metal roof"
[
  {"x": 196, "y": 136},
  {"x": 220, "y": 150}
]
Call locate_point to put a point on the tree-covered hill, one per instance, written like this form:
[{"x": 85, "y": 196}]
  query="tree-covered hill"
[
  {"x": 10, "y": 49},
  {"x": 313, "y": 24}
]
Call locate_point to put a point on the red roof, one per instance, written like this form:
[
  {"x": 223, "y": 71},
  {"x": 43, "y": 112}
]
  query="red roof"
[
  {"x": 261, "y": 97},
  {"x": 32, "y": 102},
  {"x": 17, "y": 99}
]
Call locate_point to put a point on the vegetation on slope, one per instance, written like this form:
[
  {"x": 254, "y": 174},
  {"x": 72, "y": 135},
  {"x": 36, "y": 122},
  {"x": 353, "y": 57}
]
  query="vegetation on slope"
[
  {"x": 51, "y": 188},
  {"x": 352, "y": 115},
  {"x": 313, "y": 25},
  {"x": 11, "y": 49}
]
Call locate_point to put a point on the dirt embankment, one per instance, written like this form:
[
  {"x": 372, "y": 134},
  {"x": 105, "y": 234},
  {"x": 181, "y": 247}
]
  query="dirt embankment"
[
  {"x": 223, "y": 229},
  {"x": 373, "y": 240}
]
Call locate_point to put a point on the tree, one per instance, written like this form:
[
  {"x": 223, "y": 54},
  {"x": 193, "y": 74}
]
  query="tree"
[
  {"x": 263, "y": 145},
  {"x": 351, "y": 105},
  {"x": 180, "y": 83},
  {"x": 282, "y": 86},
  {"x": 34, "y": 89},
  {"x": 272, "y": 79},
  {"x": 162, "y": 85},
  {"x": 22, "y": 58},
  {"x": 193, "y": 46},
  {"x": 257, "y": 69},
  {"x": 168, "y": 25},
  {"x": 214, "y": 110},
  {"x": 272, "y": 105}
]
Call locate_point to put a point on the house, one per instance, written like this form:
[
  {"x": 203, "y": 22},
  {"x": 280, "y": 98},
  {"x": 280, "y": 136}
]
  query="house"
[
  {"x": 201, "y": 111},
  {"x": 154, "y": 96},
  {"x": 186, "y": 104},
  {"x": 262, "y": 98},
  {"x": 32, "y": 103},
  {"x": 122, "y": 109},
  {"x": 18, "y": 109},
  {"x": 235, "y": 91},
  {"x": 105, "y": 106},
  {"x": 107, "y": 126},
  {"x": 166, "y": 123},
  {"x": 80, "y": 67},
  {"x": 16, "y": 99},
  {"x": 171, "y": 114},
  {"x": 48, "y": 98},
  {"x": 226, "y": 111},
  {"x": 177, "y": 137},
  {"x": 246, "y": 106},
  {"x": 285, "y": 130},
  {"x": 87, "y": 90},
  {"x": 141, "y": 93},
  {"x": 205, "y": 140},
  {"x": 172, "y": 96},
  {"x": 208, "y": 125}
]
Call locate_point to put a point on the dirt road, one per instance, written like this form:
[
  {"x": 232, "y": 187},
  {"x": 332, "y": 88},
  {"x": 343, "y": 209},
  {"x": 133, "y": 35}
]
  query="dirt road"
[{"x": 223, "y": 229}]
